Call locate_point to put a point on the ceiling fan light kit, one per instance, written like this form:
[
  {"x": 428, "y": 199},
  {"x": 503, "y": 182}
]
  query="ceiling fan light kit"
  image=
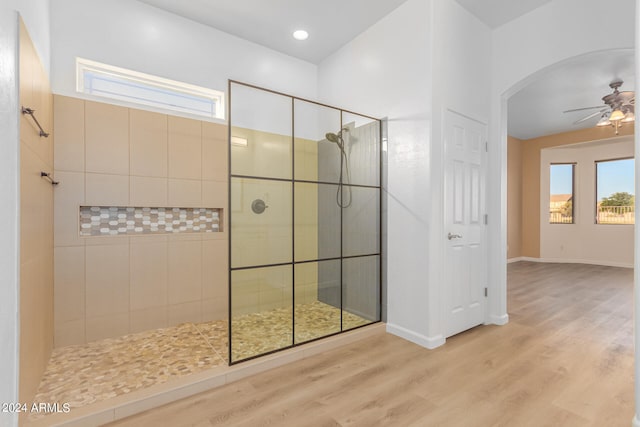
[
  {"x": 619, "y": 108},
  {"x": 616, "y": 115},
  {"x": 604, "y": 120}
]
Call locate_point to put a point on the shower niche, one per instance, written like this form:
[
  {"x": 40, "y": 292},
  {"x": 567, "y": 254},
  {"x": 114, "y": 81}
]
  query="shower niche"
[{"x": 304, "y": 221}]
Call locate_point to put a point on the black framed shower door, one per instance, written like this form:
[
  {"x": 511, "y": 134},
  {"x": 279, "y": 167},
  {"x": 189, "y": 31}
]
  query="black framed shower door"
[{"x": 304, "y": 217}]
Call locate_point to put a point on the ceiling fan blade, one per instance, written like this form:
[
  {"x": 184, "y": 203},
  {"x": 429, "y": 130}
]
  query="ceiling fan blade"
[
  {"x": 582, "y": 109},
  {"x": 590, "y": 116}
]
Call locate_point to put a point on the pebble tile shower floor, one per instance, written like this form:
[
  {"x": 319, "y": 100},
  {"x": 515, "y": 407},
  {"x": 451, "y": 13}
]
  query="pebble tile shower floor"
[{"x": 84, "y": 374}]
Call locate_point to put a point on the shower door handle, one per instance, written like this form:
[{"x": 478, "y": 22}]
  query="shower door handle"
[{"x": 454, "y": 236}]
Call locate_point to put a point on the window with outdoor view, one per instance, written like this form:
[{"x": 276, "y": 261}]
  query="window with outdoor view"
[
  {"x": 615, "y": 191},
  {"x": 561, "y": 194}
]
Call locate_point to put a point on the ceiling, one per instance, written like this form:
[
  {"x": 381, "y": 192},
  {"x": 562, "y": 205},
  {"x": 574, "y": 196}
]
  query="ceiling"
[
  {"x": 330, "y": 23},
  {"x": 537, "y": 109},
  {"x": 534, "y": 111},
  {"x": 495, "y": 13}
]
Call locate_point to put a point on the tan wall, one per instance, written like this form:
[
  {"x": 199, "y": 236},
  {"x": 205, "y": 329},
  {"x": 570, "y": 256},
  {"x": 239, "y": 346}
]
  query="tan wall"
[
  {"x": 514, "y": 197},
  {"x": 109, "y": 286},
  {"x": 36, "y": 222},
  {"x": 584, "y": 240},
  {"x": 531, "y": 149}
]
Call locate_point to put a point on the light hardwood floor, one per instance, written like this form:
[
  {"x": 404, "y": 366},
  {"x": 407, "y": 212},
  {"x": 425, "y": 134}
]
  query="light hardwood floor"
[{"x": 565, "y": 359}]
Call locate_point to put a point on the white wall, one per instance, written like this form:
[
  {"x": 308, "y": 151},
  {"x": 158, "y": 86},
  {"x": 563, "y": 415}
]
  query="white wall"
[
  {"x": 386, "y": 72},
  {"x": 134, "y": 35},
  {"x": 9, "y": 197},
  {"x": 461, "y": 83},
  {"x": 462, "y": 72},
  {"x": 562, "y": 29},
  {"x": 584, "y": 241},
  {"x": 36, "y": 15},
  {"x": 522, "y": 51},
  {"x": 416, "y": 62}
]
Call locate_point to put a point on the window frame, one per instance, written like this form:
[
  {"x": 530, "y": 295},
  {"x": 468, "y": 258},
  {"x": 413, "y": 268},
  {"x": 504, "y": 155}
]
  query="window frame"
[
  {"x": 150, "y": 82},
  {"x": 573, "y": 192},
  {"x": 595, "y": 186}
]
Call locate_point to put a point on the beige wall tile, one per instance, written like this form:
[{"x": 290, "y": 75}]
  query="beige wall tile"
[
  {"x": 214, "y": 194},
  {"x": 183, "y": 313},
  {"x": 99, "y": 328},
  {"x": 184, "y": 193},
  {"x": 148, "y": 133},
  {"x": 46, "y": 112},
  {"x": 306, "y": 294},
  {"x": 215, "y": 309},
  {"x": 217, "y": 131},
  {"x": 36, "y": 199},
  {"x": 69, "y": 333},
  {"x": 185, "y": 272},
  {"x": 185, "y": 148},
  {"x": 245, "y": 303},
  {"x": 67, "y": 198},
  {"x": 36, "y": 228},
  {"x": 148, "y": 318},
  {"x": 142, "y": 282},
  {"x": 35, "y": 94},
  {"x": 215, "y": 269},
  {"x": 148, "y": 192},
  {"x": 107, "y": 276},
  {"x": 266, "y": 154},
  {"x": 219, "y": 235},
  {"x": 148, "y": 238},
  {"x": 68, "y": 128},
  {"x": 148, "y": 275},
  {"x": 245, "y": 291},
  {"x": 28, "y": 58},
  {"x": 271, "y": 299},
  {"x": 214, "y": 152},
  {"x": 69, "y": 284},
  {"x": 106, "y": 190},
  {"x": 306, "y": 159},
  {"x": 306, "y": 287},
  {"x": 106, "y": 138},
  {"x": 182, "y": 237},
  {"x": 106, "y": 240}
]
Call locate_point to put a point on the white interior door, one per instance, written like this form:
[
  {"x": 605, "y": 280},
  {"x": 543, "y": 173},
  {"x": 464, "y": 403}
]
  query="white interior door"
[{"x": 466, "y": 253}]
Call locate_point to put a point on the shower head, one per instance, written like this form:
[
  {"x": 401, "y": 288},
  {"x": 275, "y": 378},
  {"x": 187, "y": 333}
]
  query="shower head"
[
  {"x": 336, "y": 137},
  {"x": 333, "y": 137}
]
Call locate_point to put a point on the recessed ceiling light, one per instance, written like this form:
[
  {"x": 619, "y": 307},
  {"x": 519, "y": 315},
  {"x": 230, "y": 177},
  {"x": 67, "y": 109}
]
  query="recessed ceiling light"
[{"x": 300, "y": 35}]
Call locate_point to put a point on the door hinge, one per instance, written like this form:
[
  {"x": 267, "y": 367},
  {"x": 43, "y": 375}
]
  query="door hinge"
[
  {"x": 486, "y": 292},
  {"x": 486, "y": 219}
]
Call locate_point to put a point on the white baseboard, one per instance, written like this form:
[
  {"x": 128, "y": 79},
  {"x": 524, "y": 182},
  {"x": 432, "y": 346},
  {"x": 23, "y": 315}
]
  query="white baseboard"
[
  {"x": 636, "y": 421},
  {"x": 500, "y": 320},
  {"x": 421, "y": 340},
  {"x": 572, "y": 261}
]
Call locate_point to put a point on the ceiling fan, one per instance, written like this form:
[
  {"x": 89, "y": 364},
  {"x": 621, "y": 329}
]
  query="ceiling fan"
[{"x": 619, "y": 108}]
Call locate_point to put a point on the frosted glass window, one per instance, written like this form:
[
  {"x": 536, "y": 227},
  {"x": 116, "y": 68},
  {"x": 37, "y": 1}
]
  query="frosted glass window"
[{"x": 107, "y": 81}]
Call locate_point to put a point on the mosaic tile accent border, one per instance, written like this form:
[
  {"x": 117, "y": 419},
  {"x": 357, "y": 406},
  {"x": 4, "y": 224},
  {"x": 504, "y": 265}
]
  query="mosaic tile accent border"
[{"x": 117, "y": 220}]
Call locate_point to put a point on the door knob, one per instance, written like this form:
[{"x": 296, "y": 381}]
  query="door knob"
[{"x": 454, "y": 236}]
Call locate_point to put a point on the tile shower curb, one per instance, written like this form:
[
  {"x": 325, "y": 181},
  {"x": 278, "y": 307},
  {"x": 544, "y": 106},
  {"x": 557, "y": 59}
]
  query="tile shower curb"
[{"x": 158, "y": 395}]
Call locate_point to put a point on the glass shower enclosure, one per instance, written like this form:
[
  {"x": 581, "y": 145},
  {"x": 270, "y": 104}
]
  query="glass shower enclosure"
[{"x": 304, "y": 219}]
